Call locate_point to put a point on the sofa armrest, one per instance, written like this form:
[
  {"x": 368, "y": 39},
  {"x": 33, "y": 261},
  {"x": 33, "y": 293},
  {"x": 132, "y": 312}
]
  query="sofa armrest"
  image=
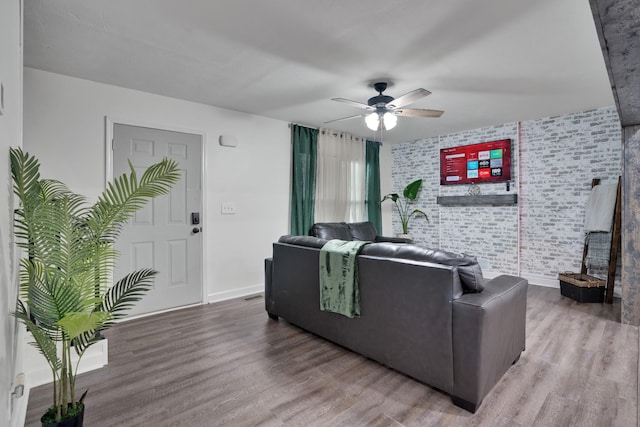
[
  {"x": 488, "y": 337},
  {"x": 393, "y": 239}
]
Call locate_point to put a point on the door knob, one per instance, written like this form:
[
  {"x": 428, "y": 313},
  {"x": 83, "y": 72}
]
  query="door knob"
[{"x": 196, "y": 230}]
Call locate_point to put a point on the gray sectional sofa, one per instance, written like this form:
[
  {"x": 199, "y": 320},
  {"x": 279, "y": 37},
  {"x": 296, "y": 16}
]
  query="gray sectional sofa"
[{"x": 428, "y": 314}]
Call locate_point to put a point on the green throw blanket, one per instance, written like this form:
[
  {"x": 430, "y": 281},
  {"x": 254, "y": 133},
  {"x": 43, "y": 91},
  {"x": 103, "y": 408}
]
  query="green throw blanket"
[{"x": 339, "y": 291}]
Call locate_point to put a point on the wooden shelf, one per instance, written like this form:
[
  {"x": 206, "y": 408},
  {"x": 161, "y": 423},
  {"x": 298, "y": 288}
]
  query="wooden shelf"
[{"x": 488, "y": 200}]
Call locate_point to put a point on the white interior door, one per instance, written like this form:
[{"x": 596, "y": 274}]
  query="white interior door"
[{"x": 164, "y": 234}]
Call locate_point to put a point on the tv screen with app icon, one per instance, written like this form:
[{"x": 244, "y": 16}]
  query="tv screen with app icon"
[{"x": 476, "y": 163}]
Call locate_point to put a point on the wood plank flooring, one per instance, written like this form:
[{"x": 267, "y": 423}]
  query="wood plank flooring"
[{"x": 229, "y": 364}]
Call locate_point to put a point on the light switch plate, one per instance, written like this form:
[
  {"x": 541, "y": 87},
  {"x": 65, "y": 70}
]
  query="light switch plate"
[{"x": 228, "y": 208}]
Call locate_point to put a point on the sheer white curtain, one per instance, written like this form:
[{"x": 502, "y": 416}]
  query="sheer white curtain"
[{"x": 340, "y": 180}]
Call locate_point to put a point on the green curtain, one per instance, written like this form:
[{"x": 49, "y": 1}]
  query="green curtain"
[
  {"x": 303, "y": 179},
  {"x": 372, "y": 185}
]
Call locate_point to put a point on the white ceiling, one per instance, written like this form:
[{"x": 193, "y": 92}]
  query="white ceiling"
[{"x": 485, "y": 62}]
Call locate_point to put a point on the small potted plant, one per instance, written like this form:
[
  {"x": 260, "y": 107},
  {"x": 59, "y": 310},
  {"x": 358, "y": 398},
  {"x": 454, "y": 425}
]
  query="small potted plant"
[
  {"x": 404, "y": 205},
  {"x": 65, "y": 297}
]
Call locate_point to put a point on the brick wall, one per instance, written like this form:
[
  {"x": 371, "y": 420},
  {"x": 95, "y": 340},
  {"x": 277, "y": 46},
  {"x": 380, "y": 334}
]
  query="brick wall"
[
  {"x": 412, "y": 161},
  {"x": 560, "y": 157},
  {"x": 553, "y": 162}
]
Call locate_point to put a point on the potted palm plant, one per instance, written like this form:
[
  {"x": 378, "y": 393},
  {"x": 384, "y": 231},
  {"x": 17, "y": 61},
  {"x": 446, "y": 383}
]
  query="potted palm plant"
[
  {"x": 65, "y": 298},
  {"x": 404, "y": 205}
]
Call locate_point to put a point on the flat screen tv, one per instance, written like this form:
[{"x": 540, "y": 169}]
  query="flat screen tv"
[{"x": 476, "y": 163}]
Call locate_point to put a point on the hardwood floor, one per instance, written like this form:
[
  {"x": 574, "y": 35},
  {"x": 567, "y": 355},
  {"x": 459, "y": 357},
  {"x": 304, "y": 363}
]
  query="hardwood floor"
[{"x": 229, "y": 364}]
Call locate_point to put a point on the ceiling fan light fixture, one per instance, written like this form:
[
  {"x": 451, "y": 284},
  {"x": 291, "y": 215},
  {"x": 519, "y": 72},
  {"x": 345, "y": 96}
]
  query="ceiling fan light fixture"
[
  {"x": 389, "y": 120},
  {"x": 372, "y": 120},
  {"x": 383, "y": 110}
]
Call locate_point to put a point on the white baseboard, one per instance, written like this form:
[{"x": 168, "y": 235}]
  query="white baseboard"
[
  {"x": 153, "y": 313},
  {"x": 532, "y": 278},
  {"x": 538, "y": 280},
  {"x": 542, "y": 280},
  {"x": 236, "y": 293},
  {"x": 214, "y": 297}
]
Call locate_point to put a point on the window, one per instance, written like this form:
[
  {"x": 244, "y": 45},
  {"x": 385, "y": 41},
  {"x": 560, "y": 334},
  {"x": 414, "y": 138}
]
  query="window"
[{"x": 340, "y": 183}]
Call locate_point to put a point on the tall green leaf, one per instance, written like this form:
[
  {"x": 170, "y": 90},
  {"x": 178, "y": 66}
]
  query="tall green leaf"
[
  {"x": 117, "y": 300},
  {"x": 25, "y": 171},
  {"x": 75, "y": 324},
  {"x": 45, "y": 345},
  {"x": 411, "y": 191},
  {"x": 125, "y": 195}
]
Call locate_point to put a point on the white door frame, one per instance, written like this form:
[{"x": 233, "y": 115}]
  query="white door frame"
[{"x": 110, "y": 122}]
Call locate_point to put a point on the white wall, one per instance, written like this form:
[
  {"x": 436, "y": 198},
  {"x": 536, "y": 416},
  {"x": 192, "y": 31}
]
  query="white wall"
[
  {"x": 10, "y": 136},
  {"x": 64, "y": 126}
]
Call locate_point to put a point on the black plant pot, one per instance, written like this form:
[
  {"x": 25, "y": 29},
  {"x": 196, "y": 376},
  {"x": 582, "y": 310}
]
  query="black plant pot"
[{"x": 75, "y": 421}]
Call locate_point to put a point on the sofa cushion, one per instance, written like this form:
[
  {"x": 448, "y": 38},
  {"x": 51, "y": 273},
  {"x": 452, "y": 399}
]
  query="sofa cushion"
[
  {"x": 468, "y": 268},
  {"x": 471, "y": 274},
  {"x": 331, "y": 230},
  {"x": 308, "y": 241},
  {"x": 362, "y": 231}
]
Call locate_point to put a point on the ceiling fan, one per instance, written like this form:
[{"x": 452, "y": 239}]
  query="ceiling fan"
[{"x": 385, "y": 109}]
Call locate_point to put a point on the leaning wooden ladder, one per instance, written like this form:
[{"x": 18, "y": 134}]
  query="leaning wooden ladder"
[{"x": 615, "y": 243}]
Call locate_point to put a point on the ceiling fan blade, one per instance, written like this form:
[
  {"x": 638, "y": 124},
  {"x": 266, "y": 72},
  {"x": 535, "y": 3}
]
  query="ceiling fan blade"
[
  {"x": 353, "y": 103},
  {"x": 418, "y": 112},
  {"x": 409, "y": 98},
  {"x": 346, "y": 118}
]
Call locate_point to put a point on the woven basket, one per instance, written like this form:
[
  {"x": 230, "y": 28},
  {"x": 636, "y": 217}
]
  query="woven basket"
[{"x": 581, "y": 280}]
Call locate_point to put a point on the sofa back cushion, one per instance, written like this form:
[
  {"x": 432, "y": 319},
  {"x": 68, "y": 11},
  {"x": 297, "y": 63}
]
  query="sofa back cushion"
[
  {"x": 307, "y": 241},
  {"x": 362, "y": 231},
  {"x": 468, "y": 268},
  {"x": 331, "y": 230},
  {"x": 345, "y": 231}
]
